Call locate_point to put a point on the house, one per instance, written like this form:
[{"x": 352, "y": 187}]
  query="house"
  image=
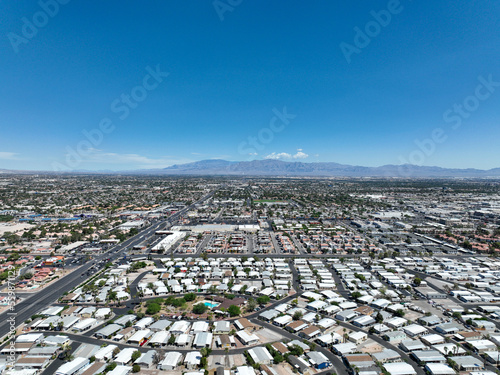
[
  {"x": 329, "y": 339},
  {"x": 481, "y": 346},
  {"x": 72, "y": 367},
  {"x": 318, "y": 360},
  {"x": 345, "y": 348},
  {"x": 147, "y": 360},
  {"x": 346, "y": 315},
  {"x": 140, "y": 337},
  {"x": 412, "y": 345},
  {"x": 107, "y": 331},
  {"x": 399, "y": 369},
  {"x": 244, "y": 370},
  {"x": 432, "y": 339},
  {"x": 467, "y": 363},
  {"x": 31, "y": 363},
  {"x": 192, "y": 360},
  {"x": 439, "y": 369},
  {"x": 467, "y": 335},
  {"x": 143, "y": 323},
  {"x": 160, "y": 325},
  {"x": 247, "y": 338},
  {"x": 84, "y": 325},
  {"x": 447, "y": 328},
  {"x": 159, "y": 338},
  {"x": 296, "y": 326},
  {"x": 414, "y": 330},
  {"x": 387, "y": 356},
  {"x": 357, "y": 337},
  {"x": 364, "y": 310},
  {"x": 183, "y": 340},
  {"x": 360, "y": 361},
  {"x": 222, "y": 327},
  {"x": 428, "y": 356},
  {"x": 431, "y": 320},
  {"x": 105, "y": 353},
  {"x": 363, "y": 321},
  {"x": 282, "y": 321},
  {"x": 299, "y": 364},
  {"x": 58, "y": 340},
  {"x": 125, "y": 356},
  {"x": 170, "y": 362},
  {"x": 310, "y": 332},
  {"x": 203, "y": 340},
  {"x": 280, "y": 347},
  {"x": 243, "y": 323},
  {"x": 260, "y": 355},
  {"x": 225, "y": 341},
  {"x": 395, "y": 336}
]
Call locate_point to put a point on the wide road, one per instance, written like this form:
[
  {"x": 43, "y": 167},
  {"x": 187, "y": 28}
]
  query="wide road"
[{"x": 36, "y": 302}]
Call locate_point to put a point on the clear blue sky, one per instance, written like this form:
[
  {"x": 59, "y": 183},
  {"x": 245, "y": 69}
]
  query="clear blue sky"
[{"x": 226, "y": 76}]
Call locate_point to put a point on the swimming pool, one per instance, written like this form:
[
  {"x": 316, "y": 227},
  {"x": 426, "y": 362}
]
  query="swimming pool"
[{"x": 211, "y": 305}]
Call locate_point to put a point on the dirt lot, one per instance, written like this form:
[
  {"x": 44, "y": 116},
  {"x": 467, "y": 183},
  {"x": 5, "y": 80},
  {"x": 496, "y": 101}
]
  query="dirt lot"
[
  {"x": 266, "y": 335},
  {"x": 370, "y": 346}
]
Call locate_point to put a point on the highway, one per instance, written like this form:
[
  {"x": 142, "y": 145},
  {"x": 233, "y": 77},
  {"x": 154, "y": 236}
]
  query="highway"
[{"x": 36, "y": 302}]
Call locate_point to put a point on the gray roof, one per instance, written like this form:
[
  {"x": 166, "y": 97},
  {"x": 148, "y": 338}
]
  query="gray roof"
[
  {"x": 148, "y": 358},
  {"x": 108, "y": 330},
  {"x": 297, "y": 363},
  {"x": 467, "y": 361},
  {"x": 42, "y": 351},
  {"x": 269, "y": 314},
  {"x": 317, "y": 357},
  {"x": 429, "y": 356},
  {"x": 385, "y": 355},
  {"x": 125, "y": 318},
  {"x": 160, "y": 325}
]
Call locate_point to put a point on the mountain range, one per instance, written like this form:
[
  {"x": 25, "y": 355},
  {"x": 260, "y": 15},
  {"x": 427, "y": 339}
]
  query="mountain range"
[
  {"x": 270, "y": 167},
  {"x": 279, "y": 168}
]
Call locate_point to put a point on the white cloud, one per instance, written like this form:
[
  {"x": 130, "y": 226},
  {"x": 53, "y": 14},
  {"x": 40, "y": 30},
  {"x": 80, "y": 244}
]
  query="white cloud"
[
  {"x": 300, "y": 155},
  {"x": 281, "y": 155},
  {"x": 130, "y": 161},
  {"x": 253, "y": 154},
  {"x": 8, "y": 155},
  {"x": 285, "y": 155}
]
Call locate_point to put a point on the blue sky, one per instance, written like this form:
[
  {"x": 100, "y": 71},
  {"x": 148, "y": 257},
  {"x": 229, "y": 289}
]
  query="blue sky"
[{"x": 224, "y": 77}]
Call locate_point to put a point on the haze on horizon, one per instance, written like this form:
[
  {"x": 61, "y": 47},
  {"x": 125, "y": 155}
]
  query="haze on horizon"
[{"x": 97, "y": 86}]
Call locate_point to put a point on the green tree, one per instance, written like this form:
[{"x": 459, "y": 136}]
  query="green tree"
[
  {"x": 251, "y": 304},
  {"x": 234, "y": 310},
  {"x": 262, "y": 300},
  {"x": 136, "y": 355},
  {"x": 153, "y": 308},
  {"x": 199, "y": 308}
]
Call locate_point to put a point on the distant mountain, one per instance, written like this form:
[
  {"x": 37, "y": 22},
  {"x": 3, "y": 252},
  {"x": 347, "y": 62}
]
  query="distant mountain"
[
  {"x": 279, "y": 168},
  {"x": 270, "y": 167}
]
